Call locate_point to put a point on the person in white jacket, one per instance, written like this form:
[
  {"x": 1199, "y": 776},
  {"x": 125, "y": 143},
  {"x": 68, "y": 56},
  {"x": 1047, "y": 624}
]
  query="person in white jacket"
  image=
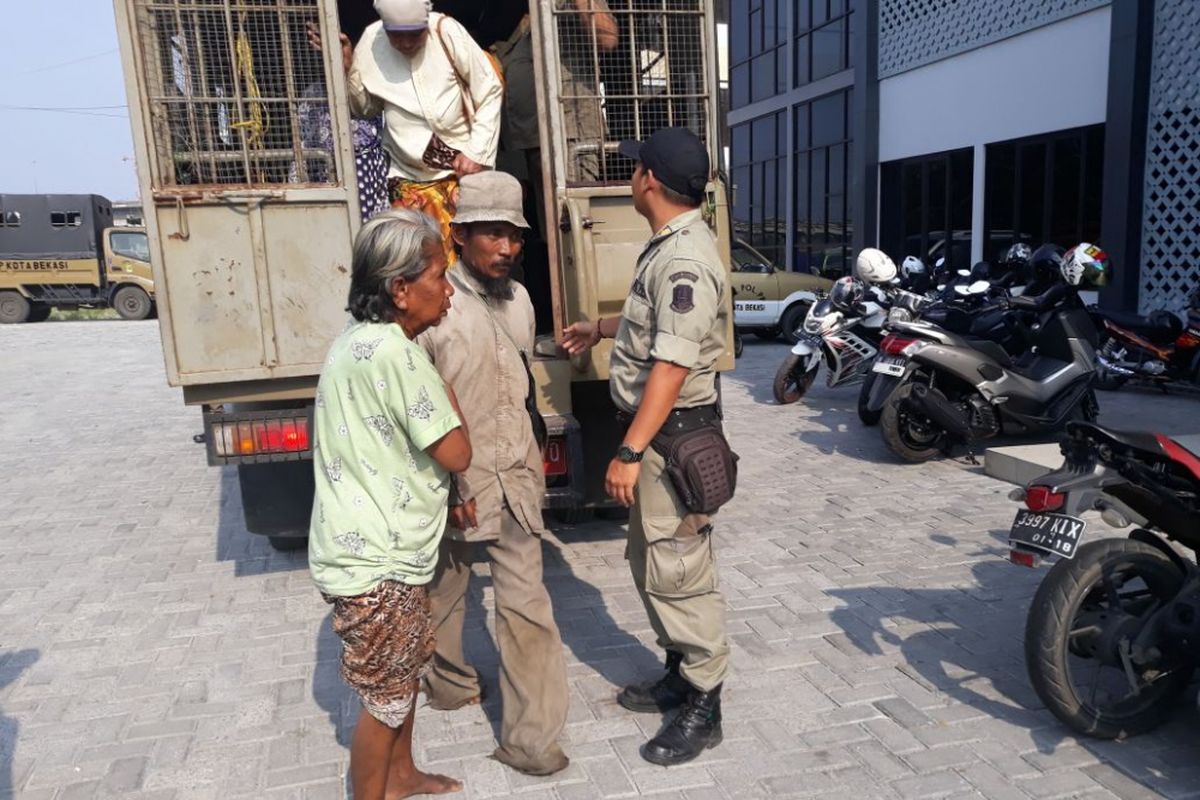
[{"x": 440, "y": 97}]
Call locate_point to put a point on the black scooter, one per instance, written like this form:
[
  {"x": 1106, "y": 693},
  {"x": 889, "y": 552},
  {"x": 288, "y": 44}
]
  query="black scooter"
[{"x": 956, "y": 390}]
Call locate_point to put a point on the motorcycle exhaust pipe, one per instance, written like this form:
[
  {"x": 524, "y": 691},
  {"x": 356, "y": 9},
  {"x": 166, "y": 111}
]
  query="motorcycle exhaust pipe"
[
  {"x": 1113, "y": 366},
  {"x": 934, "y": 405}
]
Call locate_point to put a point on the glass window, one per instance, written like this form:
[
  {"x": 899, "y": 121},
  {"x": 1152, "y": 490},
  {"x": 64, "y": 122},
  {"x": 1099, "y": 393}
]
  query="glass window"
[
  {"x": 829, "y": 119},
  {"x": 740, "y": 85},
  {"x": 821, "y": 225},
  {"x": 828, "y": 43},
  {"x": 1045, "y": 189},
  {"x": 11, "y": 219},
  {"x": 131, "y": 245},
  {"x": 66, "y": 219},
  {"x": 925, "y": 207}
]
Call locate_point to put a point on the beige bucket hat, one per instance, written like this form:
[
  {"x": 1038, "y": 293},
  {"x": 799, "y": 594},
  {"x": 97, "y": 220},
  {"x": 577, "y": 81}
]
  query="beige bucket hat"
[{"x": 490, "y": 196}]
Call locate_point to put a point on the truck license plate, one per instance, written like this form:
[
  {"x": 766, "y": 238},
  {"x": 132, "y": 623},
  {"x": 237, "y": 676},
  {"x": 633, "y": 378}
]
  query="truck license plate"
[
  {"x": 1056, "y": 534},
  {"x": 890, "y": 365}
]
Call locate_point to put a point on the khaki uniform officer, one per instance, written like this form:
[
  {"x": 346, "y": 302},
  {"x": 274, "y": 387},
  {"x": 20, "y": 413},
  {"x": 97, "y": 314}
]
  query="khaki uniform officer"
[
  {"x": 478, "y": 350},
  {"x": 668, "y": 338}
]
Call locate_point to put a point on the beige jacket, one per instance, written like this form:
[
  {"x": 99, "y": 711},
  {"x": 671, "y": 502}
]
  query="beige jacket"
[{"x": 472, "y": 354}]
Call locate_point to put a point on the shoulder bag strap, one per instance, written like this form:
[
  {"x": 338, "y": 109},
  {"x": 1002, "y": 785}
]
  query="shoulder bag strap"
[{"x": 463, "y": 88}]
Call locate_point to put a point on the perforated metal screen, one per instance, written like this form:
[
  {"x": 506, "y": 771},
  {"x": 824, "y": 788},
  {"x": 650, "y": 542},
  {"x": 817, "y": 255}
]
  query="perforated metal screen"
[
  {"x": 237, "y": 94},
  {"x": 627, "y": 68},
  {"x": 1171, "y": 218},
  {"x": 917, "y": 32}
]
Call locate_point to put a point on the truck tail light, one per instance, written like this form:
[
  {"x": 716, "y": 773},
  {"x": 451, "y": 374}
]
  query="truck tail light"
[
  {"x": 233, "y": 438},
  {"x": 554, "y": 459}
]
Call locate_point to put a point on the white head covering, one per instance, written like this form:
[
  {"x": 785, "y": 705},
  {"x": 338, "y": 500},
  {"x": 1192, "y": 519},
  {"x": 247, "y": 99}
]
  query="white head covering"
[{"x": 404, "y": 15}]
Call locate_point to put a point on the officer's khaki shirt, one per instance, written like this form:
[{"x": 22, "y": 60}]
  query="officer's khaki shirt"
[
  {"x": 475, "y": 357},
  {"x": 676, "y": 312}
]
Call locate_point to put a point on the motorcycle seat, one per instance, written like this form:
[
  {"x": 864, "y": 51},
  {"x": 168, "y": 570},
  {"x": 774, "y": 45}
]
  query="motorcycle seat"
[
  {"x": 992, "y": 350},
  {"x": 1153, "y": 444},
  {"x": 1161, "y": 327}
]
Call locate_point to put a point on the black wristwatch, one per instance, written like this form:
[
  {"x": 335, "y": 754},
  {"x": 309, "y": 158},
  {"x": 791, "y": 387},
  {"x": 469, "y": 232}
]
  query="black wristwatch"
[{"x": 627, "y": 455}]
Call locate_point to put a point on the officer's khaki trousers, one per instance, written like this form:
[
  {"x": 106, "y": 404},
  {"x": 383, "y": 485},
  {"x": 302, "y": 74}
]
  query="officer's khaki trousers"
[
  {"x": 533, "y": 675},
  {"x": 671, "y": 556}
]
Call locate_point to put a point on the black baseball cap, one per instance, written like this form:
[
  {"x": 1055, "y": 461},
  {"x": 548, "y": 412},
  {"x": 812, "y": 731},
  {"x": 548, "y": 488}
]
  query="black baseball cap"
[{"x": 677, "y": 158}]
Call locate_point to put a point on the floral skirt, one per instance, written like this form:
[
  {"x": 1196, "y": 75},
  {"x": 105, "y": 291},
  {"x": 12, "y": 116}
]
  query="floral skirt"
[
  {"x": 438, "y": 199},
  {"x": 387, "y": 641}
]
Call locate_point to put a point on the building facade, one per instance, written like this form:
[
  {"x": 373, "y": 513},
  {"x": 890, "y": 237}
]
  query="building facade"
[{"x": 954, "y": 129}]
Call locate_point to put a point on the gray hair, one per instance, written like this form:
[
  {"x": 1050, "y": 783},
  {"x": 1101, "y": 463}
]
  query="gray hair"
[{"x": 388, "y": 248}]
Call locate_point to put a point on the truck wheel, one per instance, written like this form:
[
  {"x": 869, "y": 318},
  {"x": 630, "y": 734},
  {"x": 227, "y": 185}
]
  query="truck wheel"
[
  {"x": 132, "y": 303},
  {"x": 576, "y": 515},
  {"x": 288, "y": 544},
  {"x": 39, "y": 312},
  {"x": 13, "y": 308},
  {"x": 277, "y": 499},
  {"x": 792, "y": 319}
]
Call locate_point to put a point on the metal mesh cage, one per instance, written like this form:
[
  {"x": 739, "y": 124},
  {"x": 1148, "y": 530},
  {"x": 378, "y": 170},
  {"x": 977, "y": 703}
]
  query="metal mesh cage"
[
  {"x": 237, "y": 94},
  {"x": 626, "y": 69}
]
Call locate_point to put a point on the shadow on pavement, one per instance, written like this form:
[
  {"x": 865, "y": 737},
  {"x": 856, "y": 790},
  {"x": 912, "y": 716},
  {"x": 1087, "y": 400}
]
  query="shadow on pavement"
[
  {"x": 12, "y": 664},
  {"x": 252, "y": 554},
  {"x": 587, "y": 628},
  {"x": 968, "y": 647}
]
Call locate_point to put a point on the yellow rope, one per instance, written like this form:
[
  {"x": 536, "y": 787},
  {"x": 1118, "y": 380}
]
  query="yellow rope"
[{"x": 255, "y": 127}]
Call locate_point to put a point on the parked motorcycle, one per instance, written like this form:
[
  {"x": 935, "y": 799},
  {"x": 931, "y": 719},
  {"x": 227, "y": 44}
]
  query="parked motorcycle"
[
  {"x": 956, "y": 390},
  {"x": 977, "y": 310},
  {"x": 845, "y": 328},
  {"x": 1160, "y": 349},
  {"x": 1113, "y": 633}
]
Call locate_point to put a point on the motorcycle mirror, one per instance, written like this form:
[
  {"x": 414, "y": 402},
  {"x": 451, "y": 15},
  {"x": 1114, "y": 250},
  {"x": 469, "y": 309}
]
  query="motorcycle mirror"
[
  {"x": 965, "y": 273},
  {"x": 978, "y": 287},
  {"x": 963, "y": 290}
]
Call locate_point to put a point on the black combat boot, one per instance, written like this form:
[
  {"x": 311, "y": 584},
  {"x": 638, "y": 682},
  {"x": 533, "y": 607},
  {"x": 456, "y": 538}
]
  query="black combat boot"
[
  {"x": 695, "y": 728},
  {"x": 669, "y": 691}
]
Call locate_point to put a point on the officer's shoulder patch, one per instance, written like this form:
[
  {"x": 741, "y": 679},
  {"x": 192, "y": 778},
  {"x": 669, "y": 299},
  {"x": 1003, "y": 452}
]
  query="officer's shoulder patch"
[
  {"x": 684, "y": 275},
  {"x": 639, "y": 288},
  {"x": 682, "y": 300}
]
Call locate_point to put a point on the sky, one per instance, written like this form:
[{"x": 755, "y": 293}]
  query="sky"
[{"x": 88, "y": 149}]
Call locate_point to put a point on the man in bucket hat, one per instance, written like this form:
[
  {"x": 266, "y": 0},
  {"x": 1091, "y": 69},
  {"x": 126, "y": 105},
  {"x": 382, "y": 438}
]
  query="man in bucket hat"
[
  {"x": 662, "y": 378},
  {"x": 482, "y": 349}
]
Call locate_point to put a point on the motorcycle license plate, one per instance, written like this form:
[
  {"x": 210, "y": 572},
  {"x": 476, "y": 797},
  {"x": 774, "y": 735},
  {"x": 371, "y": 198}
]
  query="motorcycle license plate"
[
  {"x": 890, "y": 365},
  {"x": 1056, "y": 534}
]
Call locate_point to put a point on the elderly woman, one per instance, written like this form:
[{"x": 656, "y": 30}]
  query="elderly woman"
[
  {"x": 440, "y": 97},
  {"x": 388, "y": 436}
]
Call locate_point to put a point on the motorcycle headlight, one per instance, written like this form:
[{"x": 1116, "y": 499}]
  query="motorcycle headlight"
[{"x": 900, "y": 315}]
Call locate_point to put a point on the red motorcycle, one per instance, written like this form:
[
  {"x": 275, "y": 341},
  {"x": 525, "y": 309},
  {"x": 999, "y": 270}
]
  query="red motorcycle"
[
  {"x": 1161, "y": 349},
  {"x": 1113, "y": 633}
]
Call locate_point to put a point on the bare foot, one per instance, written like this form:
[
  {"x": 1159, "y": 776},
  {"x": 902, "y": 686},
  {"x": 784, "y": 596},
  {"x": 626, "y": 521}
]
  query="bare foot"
[{"x": 420, "y": 783}]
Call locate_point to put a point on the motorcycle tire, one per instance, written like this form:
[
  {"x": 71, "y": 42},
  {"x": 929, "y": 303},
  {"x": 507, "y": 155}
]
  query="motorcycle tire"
[
  {"x": 865, "y": 415},
  {"x": 898, "y": 430},
  {"x": 1053, "y": 617},
  {"x": 738, "y": 345},
  {"x": 790, "y": 383}
]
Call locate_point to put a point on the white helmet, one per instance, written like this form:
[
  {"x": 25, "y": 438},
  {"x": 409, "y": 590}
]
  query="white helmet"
[
  {"x": 874, "y": 266},
  {"x": 912, "y": 266}
]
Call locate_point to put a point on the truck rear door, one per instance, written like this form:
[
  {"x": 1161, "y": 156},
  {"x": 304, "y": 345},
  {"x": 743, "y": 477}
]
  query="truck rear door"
[{"x": 247, "y": 175}]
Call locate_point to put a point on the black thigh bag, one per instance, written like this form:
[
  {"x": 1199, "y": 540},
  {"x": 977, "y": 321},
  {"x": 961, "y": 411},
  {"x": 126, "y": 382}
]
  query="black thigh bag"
[{"x": 699, "y": 462}]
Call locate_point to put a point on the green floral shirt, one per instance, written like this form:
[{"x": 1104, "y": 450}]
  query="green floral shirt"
[{"x": 380, "y": 503}]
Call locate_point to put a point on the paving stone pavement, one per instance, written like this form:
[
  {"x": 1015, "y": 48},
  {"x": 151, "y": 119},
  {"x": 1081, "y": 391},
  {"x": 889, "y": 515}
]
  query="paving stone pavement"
[{"x": 150, "y": 648}]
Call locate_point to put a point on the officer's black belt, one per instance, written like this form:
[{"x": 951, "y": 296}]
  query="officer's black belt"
[{"x": 681, "y": 419}]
